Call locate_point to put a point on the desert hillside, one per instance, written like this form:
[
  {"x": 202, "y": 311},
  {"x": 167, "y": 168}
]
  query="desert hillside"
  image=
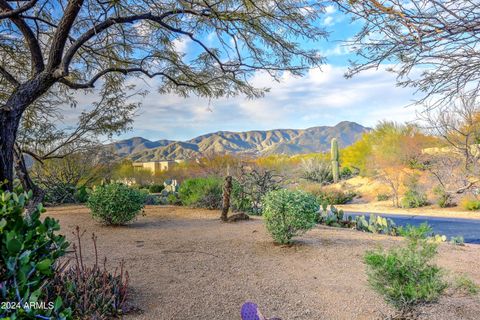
[{"x": 251, "y": 143}]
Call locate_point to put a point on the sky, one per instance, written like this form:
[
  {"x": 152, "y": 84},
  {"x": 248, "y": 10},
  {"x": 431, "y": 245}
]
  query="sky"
[{"x": 322, "y": 97}]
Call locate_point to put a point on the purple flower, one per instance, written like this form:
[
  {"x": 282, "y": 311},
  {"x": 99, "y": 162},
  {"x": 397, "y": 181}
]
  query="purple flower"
[{"x": 250, "y": 312}]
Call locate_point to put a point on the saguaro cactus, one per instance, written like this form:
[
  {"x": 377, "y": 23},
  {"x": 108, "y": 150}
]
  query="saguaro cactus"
[{"x": 334, "y": 158}]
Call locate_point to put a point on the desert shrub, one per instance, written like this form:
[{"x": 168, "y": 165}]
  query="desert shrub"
[
  {"x": 116, "y": 204},
  {"x": 240, "y": 201},
  {"x": 253, "y": 184},
  {"x": 29, "y": 250},
  {"x": 405, "y": 276},
  {"x": 335, "y": 196},
  {"x": 152, "y": 200},
  {"x": 444, "y": 199},
  {"x": 457, "y": 241},
  {"x": 156, "y": 188},
  {"x": 382, "y": 197},
  {"x": 470, "y": 203},
  {"x": 91, "y": 292},
  {"x": 317, "y": 170},
  {"x": 173, "y": 199},
  {"x": 346, "y": 173},
  {"x": 201, "y": 193},
  {"x": 414, "y": 199},
  {"x": 81, "y": 195},
  {"x": 60, "y": 194},
  {"x": 466, "y": 285},
  {"x": 289, "y": 213}
]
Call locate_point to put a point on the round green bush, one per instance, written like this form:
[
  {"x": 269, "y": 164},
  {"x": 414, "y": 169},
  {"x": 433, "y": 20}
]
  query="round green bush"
[
  {"x": 289, "y": 213},
  {"x": 201, "y": 193},
  {"x": 116, "y": 204}
]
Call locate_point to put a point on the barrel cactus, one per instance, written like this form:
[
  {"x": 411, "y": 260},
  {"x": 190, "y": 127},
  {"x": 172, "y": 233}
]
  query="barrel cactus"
[{"x": 335, "y": 159}]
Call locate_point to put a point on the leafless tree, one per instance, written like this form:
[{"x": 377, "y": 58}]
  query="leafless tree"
[
  {"x": 459, "y": 127},
  {"x": 256, "y": 182},
  {"x": 432, "y": 45},
  {"x": 56, "y": 46}
]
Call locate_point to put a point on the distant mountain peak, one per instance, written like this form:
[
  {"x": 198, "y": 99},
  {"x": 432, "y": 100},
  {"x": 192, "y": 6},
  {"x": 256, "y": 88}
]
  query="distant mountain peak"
[{"x": 252, "y": 143}]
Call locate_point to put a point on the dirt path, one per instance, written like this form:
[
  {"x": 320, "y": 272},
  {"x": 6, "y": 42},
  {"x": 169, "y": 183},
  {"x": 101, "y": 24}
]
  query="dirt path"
[{"x": 185, "y": 264}]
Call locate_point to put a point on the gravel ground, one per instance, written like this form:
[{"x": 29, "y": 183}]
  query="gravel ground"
[{"x": 185, "y": 264}]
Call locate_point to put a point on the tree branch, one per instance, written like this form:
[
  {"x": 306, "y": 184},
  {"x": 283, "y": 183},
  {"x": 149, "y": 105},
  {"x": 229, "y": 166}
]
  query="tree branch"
[
  {"x": 122, "y": 20},
  {"x": 9, "y": 77},
  {"x": 62, "y": 33},
  {"x": 91, "y": 83},
  {"x": 8, "y": 13},
  {"x": 32, "y": 42}
]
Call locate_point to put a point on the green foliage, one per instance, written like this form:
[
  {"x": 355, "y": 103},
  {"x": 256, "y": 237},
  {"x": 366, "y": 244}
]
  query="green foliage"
[
  {"x": 358, "y": 154},
  {"x": 82, "y": 194},
  {"x": 173, "y": 199},
  {"x": 333, "y": 217},
  {"x": 444, "y": 199},
  {"x": 240, "y": 201},
  {"x": 152, "y": 199},
  {"x": 317, "y": 170},
  {"x": 334, "y": 196},
  {"x": 423, "y": 231},
  {"x": 116, "y": 204},
  {"x": 346, "y": 173},
  {"x": 405, "y": 276},
  {"x": 92, "y": 292},
  {"x": 289, "y": 213},
  {"x": 201, "y": 193},
  {"x": 29, "y": 250},
  {"x": 414, "y": 199},
  {"x": 466, "y": 285},
  {"x": 457, "y": 241},
  {"x": 376, "y": 224},
  {"x": 470, "y": 203},
  {"x": 156, "y": 188},
  {"x": 60, "y": 194},
  {"x": 382, "y": 197}
]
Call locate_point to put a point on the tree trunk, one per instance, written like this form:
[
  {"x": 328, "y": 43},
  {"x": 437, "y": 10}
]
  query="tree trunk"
[
  {"x": 9, "y": 121},
  {"x": 27, "y": 183},
  {"x": 10, "y": 117},
  {"x": 227, "y": 191}
]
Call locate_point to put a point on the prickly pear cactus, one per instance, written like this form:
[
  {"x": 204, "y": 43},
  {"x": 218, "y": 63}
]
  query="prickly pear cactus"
[{"x": 335, "y": 158}]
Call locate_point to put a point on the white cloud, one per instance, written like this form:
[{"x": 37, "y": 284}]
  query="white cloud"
[
  {"x": 330, "y": 9},
  {"x": 181, "y": 44},
  {"x": 328, "y": 21},
  {"x": 321, "y": 97}
]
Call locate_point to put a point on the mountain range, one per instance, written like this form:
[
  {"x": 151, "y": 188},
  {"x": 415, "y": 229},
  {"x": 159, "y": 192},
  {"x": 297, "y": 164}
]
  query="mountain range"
[{"x": 248, "y": 143}]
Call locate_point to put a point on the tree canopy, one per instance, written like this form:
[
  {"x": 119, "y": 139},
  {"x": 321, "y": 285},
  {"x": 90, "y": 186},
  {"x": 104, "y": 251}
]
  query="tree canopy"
[
  {"x": 50, "y": 48},
  {"x": 432, "y": 45}
]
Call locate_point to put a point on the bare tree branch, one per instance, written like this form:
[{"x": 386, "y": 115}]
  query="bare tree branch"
[
  {"x": 10, "y": 78},
  {"x": 32, "y": 42},
  {"x": 6, "y": 13}
]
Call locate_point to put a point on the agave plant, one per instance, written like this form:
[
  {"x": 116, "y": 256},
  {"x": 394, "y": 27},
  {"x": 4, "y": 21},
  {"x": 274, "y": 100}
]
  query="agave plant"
[{"x": 250, "y": 312}]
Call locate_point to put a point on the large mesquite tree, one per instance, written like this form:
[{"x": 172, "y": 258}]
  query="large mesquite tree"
[{"x": 48, "y": 48}]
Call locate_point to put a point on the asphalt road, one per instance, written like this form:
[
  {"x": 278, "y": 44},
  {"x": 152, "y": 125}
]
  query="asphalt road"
[{"x": 469, "y": 229}]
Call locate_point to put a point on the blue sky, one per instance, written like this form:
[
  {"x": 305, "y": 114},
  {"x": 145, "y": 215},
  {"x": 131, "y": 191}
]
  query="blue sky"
[{"x": 322, "y": 97}]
